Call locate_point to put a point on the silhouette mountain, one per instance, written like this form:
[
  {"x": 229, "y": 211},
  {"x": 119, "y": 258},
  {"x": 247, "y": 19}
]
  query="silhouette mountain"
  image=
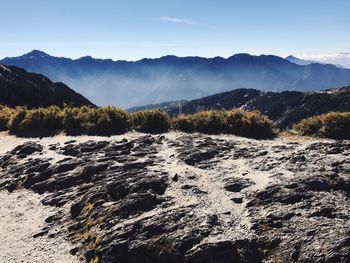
[
  {"x": 20, "y": 88},
  {"x": 169, "y": 78}
]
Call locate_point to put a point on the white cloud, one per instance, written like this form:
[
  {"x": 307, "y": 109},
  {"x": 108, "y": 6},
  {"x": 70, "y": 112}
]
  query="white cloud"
[
  {"x": 175, "y": 20},
  {"x": 341, "y": 58}
]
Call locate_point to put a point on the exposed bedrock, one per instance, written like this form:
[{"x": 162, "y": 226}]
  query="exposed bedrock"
[{"x": 191, "y": 198}]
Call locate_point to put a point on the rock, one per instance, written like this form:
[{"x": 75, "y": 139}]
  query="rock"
[
  {"x": 237, "y": 184},
  {"x": 127, "y": 203},
  {"x": 175, "y": 178},
  {"x": 237, "y": 200},
  {"x": 76, "y": 209},
  {"x": 26, "y": 149}
]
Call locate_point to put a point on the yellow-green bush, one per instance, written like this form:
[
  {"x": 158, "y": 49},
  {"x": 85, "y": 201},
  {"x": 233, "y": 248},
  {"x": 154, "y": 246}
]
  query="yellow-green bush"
[
  {"x": 335, "y": 125},
  {"x": 210, "y": 122},
  {"x": 151, "y": 121},
  {"x": 111, "y": 120},
  {"x": 96, "y": 121},
  {"x": 249, "y": 124},
  {"x": 238, "y": 122},
  {"x": 36, "y": 122},
  {"x": 183, "y": 123},
  {"x": 5, "y": 116}
]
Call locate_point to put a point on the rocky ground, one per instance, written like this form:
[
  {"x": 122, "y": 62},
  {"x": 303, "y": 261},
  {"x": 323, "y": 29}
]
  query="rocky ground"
[{"x": 186, "y": 198}]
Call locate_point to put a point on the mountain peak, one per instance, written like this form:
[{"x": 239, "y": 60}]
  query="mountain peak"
[{"x": 36, "y": 54}]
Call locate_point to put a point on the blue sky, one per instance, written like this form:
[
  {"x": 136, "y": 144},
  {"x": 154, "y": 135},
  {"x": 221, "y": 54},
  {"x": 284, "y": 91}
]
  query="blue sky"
[{"x": 133, "y": 29}]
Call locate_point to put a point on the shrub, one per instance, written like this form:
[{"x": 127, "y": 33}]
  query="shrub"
[
  {"x": 95, "y": 121},
  {"x": 108, "y": 121},
  {"x": 238, "y": 122},
  {"x": 183, "y": 123},
  {"x": 5, "y": 116},
  {"x": 209, "y": 122},
  {"x": 74, "y": 119},
  {"x": 36, "y": 122},
  {"x": 249, "y": 124},
  {"x": 334, "y": 125},
  {"x": 151, "y": 121}
]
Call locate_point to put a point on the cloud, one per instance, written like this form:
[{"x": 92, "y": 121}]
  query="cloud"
[
  {"x": 175, "y": 20},
  {"x": 341, "y": 58}
]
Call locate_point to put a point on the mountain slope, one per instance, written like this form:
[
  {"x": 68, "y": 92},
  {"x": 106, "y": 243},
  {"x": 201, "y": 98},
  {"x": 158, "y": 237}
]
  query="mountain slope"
[
  {"x": 169, "y": 78},
  {"x": 21, "y": 88},
  {"x": 285, "y": 108}
]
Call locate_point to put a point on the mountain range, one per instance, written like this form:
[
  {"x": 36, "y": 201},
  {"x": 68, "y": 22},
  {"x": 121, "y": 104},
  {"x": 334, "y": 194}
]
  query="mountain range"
[
  {"x": 20, "y": 88},
  {"x": 128, "y": 84},
  {"x": 284, "y": 108}
]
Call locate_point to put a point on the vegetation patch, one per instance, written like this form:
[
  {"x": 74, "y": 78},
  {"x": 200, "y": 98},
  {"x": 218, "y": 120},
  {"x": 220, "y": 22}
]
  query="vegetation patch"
[
  {"x": 36, "y": 122},
  {"x": 107, "y": 121},
  {"x": 238, "y": 122},
  {"x": 334, "y": 125},
  {"x": 151, "y": 121},
  {"x": 5, "y": 116},
  {"x": 96, "y": 121}
]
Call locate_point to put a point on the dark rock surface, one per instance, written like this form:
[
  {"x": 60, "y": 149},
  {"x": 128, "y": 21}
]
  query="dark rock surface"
[{"x": 191, "y": 198}]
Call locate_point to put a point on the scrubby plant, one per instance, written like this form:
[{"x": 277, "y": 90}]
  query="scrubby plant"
[
  {"x": 36, "y": 122},
  {"x": 151, "y": 121},
  {"x": 95, "y": 121},
  {"x": 334, "y": 125},
  {"x": 108, "y": 121},
  {"x": 209, "y": 122},
  {"x": 251, "y": 124},
  {"x": 183, "y": 123},
  {"x": 74, "y": 119},
  {"x": 238, "y": 122},
  {"x": 5, "y": 116}
]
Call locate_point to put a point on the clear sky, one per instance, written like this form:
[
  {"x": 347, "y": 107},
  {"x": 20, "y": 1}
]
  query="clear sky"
[{"x": 133, "y": 29}]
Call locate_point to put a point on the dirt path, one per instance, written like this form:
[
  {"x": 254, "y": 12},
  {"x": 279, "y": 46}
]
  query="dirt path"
[{"x": 21, "y": 216}]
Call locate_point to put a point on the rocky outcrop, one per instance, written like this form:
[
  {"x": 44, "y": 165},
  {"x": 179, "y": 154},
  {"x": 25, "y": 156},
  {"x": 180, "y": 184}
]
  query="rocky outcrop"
[{"x": 191, "y": 198}]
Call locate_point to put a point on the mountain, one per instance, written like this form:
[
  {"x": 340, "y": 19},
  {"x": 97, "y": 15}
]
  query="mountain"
[
  {"x": 299, "y": 61},
  {"x": 150, "y": 81},
  {"x": 20, "y": 88},
  {"x": 168, "y": 106},
  {"x": 285, "y": 108}
]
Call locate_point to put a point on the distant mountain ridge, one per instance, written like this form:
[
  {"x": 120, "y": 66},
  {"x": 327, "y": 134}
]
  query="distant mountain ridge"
[
  {"x": 299, "y": 61},
  {"x": 285, "y": 108},
  {"x": 20, "y": 88},
  {"x": 170, "y": 78}
]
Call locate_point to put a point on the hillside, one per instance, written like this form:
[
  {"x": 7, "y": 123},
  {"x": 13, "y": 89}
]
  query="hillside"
[
  {"x": 21, "y": 88},
  {"x": 150, "y": 81},
  {"x": 285, "y": 108}
]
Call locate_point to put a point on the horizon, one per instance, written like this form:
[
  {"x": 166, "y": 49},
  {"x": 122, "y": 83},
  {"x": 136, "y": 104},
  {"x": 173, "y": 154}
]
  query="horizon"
[
  {"x": 168, "y": 55},
  {"x": 136, "y": 29},
  {"x": 326, "y": 59}
]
